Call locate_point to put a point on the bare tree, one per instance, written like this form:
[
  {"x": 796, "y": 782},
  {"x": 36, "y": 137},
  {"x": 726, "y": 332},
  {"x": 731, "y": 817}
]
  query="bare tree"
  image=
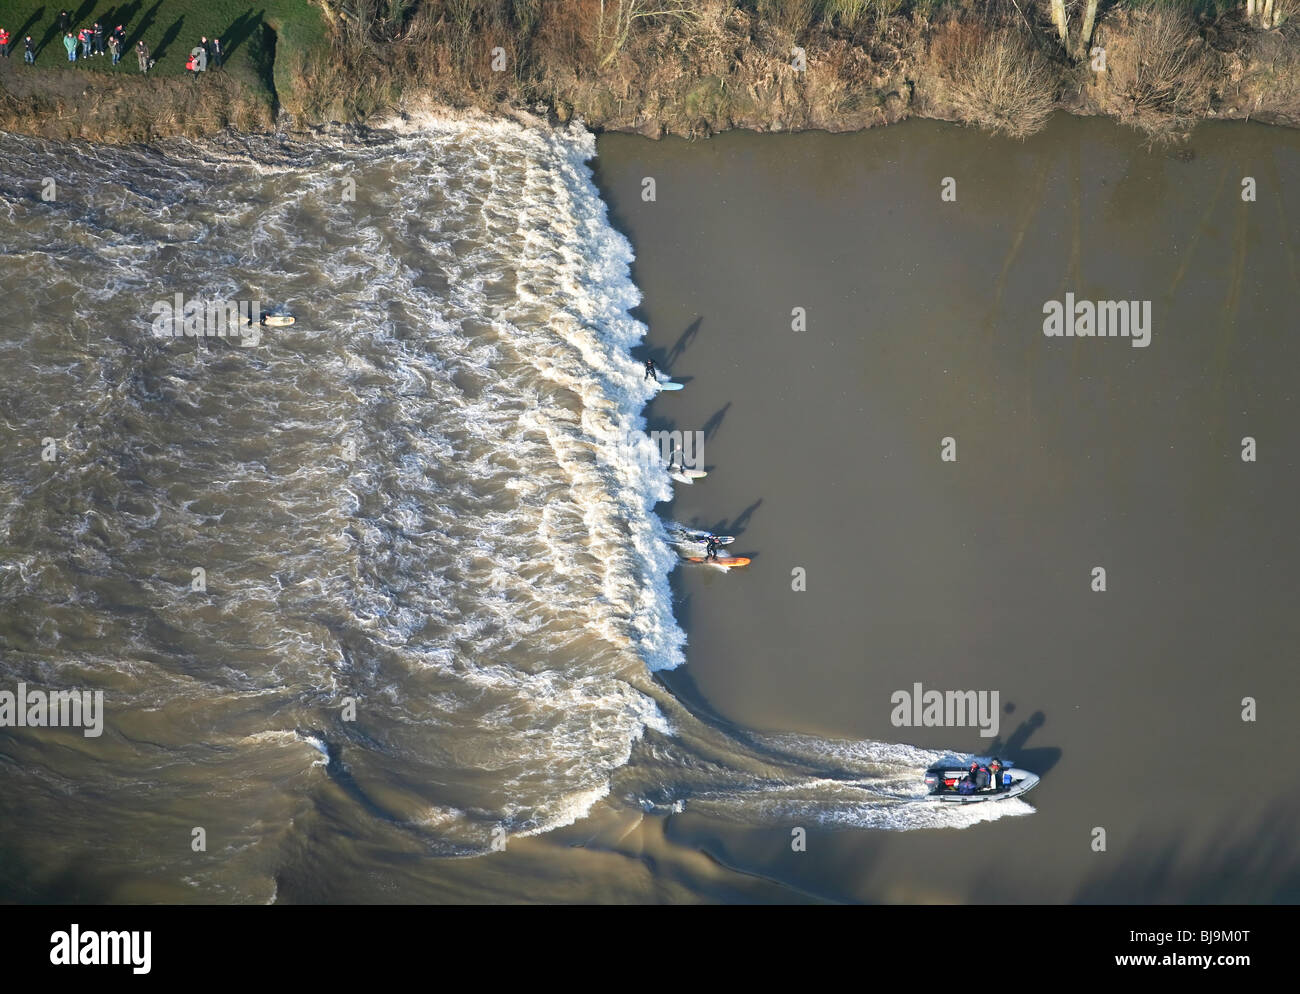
[
  {"x": 616, "y": 19},
  {"x": 1089, "y": 21},
  {"x": 1062, "y": 25},
  {"x": 1267, "y": 14}
]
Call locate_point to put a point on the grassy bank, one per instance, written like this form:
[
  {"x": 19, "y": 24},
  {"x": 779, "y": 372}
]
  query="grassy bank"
[
  {"x": 265, "y": 46},
  {"x": 687, "y": 67}
]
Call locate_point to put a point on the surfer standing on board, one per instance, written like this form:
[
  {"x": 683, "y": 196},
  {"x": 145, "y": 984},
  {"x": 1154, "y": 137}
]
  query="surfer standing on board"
[
  {"x": 650, "y": 370},
  {"x": 711, "y": 548}
]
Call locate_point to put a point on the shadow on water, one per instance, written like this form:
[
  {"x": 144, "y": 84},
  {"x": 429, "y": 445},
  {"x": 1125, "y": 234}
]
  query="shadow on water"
[
  {"x": 681, "y": 684},
  {"x": 1036, "y": 760},
  {"x": 736, "y": 525},
  {"x": 715, "y": 421},
  {"x": 666, "y": 357},
  {"x": 1260, "y": 863},
  {"x": 81, "y": 880},
  {"x": 340, "y": 774},
  {"x": 683, "y": 342},
  {"x": 618, "y": 221}
]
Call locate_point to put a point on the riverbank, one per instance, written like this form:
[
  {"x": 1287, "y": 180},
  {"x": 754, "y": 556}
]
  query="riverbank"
[
  {"x": 262, "y": 62},
  {"x": 695, "y": 67}
]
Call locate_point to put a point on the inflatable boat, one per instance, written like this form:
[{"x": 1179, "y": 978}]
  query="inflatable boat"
[{"x": 956, "y": 784}]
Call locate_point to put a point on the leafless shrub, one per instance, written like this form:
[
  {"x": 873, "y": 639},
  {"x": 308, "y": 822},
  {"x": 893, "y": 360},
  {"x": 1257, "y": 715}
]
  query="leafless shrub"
[
  {"x": 997, "y": 79},
  {"x": 1160, "y": 74}
]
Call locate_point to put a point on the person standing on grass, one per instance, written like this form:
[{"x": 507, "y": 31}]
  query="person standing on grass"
[
  {"x": 85, "y": 38},
  {"x": 29, "y": 51},
  {"x": 114, "y": 48},
  {"x": 119, "y": 33},
  {"x": 142, "y": 54},
  {"x": 216, "y": 52},
  {"x": 70, "y": 43},
  {"x": 99, "y": 38},
  {"x": 64, "y": 20},
  {"x": 4, "y": 43}
]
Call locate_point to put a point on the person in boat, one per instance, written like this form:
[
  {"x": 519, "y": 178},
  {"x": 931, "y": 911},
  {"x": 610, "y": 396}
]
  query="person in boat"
[
  {"x": 966, "y": 785},
  {"x": 995, "y": 771},
  {"x": 650, "y": 372},
  {"x": 711, "y": 547}
]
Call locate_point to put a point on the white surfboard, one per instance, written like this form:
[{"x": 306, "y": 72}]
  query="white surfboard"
[
  {"x": 700, "y": 538},
  {"x": 665, "y": 385}
]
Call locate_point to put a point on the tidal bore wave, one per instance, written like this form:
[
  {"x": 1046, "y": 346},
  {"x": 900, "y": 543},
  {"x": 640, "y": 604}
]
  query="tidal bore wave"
[{"x": 416, "y": 502}]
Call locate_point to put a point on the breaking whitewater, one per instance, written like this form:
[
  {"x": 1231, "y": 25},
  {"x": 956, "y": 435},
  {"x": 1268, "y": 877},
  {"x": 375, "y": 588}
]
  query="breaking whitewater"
[{"x": 436, "y": 585}]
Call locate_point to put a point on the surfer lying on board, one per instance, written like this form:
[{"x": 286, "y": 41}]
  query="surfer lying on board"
[{"x": 650, "y": 371}]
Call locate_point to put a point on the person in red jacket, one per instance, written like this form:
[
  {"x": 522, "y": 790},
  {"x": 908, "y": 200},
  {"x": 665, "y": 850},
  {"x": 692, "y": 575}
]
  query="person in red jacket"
[
  {"x": 995, "y": 773},
  {"x": 4, "y": 43}
]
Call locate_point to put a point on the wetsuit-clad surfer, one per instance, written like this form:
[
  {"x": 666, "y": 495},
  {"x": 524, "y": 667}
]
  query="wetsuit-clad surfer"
[
  {"x": 711, "y": 548},
  {"x": 650, "y": 373}
]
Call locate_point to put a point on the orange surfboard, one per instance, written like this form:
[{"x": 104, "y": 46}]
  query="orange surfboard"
[{"x": 728, "y": 561}]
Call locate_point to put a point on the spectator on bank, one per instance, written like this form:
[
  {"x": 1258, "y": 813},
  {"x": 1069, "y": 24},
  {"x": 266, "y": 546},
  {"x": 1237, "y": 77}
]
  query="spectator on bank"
[
  {"x": 65, "y": 19},
  {"x": 142, "y": 55},
  {"x": 84, "y": 36},
  {"x": 4, "y": 43},
  {"x": 114, "y": 48},
  {"x": 70, "y": 43},
  {"x": 29, "y": 51},
  {"x": 215, "y": 55},
  {"x": 99, "y": 38},
  {"x": 119, "y": 33}
]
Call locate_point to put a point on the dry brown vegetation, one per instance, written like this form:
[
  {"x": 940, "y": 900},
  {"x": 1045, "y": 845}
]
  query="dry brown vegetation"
[
  {"x": 126, "y": 109},
  {"x": 996, "y": 79},
  {"x": 692, "y": 67},
  {"x": 1159, "y": 75}
]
